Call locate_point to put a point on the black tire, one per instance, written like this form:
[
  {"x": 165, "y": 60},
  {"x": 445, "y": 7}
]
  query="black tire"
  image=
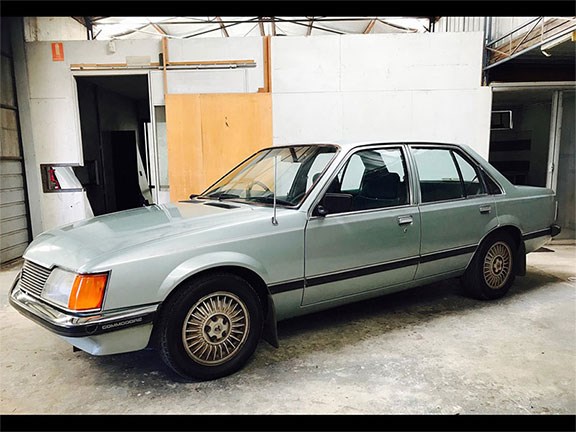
[
  {"x": 490, "y": 274},
  {"x": 222, "y": 333}
]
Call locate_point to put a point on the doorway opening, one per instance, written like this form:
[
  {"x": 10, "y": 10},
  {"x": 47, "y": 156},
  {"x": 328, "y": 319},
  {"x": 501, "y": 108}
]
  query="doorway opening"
[
  {"x": 536, "y": 146},
  {"x": 114, "y": 118}
]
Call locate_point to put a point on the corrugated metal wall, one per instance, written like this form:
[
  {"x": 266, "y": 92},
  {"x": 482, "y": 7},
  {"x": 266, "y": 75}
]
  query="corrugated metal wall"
[
  {"x": 14, "y": 221},
  {"x": 460, "y": 24},
  {"x": 499, "y": 26}
]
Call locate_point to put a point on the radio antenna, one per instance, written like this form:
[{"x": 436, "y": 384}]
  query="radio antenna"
[{"x": 274, "y": 220}]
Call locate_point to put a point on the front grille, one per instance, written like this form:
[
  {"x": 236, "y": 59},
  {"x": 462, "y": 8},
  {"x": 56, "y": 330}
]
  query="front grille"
[{"x": 33, "y": 278}]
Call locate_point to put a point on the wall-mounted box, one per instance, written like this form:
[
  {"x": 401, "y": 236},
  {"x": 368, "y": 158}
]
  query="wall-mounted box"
[{"x": 59, "y": 178}]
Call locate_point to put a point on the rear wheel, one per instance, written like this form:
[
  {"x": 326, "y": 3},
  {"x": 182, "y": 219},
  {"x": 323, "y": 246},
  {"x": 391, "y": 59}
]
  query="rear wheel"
[
  {"x": 210, "y": 327},
  {"x": 491, "y": 272}
]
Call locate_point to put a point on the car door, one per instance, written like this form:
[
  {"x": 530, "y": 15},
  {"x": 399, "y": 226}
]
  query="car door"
[
  {"x": 372, "y": 242},
  {"x": 455, "y": 209}
]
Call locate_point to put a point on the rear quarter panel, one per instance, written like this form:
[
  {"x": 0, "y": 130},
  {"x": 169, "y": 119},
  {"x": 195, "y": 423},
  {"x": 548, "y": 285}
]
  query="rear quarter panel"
[{"x": 531, "y": 209}]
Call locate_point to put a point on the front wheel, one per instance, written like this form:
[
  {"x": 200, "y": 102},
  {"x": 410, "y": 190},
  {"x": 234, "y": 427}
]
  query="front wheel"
[
  {"x": 491, "y": 272},
  {"x": 210, "y": 327}
]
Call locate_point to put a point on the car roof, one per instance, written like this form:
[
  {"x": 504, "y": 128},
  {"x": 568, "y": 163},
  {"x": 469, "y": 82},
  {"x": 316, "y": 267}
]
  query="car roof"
[{"x": 349, "y": 144}]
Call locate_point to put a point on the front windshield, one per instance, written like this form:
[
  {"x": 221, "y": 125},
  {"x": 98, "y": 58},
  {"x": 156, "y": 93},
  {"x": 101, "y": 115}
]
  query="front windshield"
[{"x": 297, "y": 169}]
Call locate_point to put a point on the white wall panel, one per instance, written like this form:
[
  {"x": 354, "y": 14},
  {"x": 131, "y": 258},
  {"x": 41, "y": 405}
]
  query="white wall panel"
[
  {"x": 99, "y": 52},
  {"x": 156, "y": 87},
  {"x": 411, "y": 61},
  {"x": 376, "y": 116},
  {"x": 48, "y": 79},
  {"x": 205, "y": 49},
  {"x": 306, "y": 117},
  {"x": 418, "y": 87},
  {"x": 457, "y": 116},
  {"x": 305, "y": 64},
  {"x": 55, "y": 208},
  {"x": 200, "y": 49},
  {"x": 55, "y": 133},
  {"x": 451, "y": 116},
  {"x": 209, "y": 81}
]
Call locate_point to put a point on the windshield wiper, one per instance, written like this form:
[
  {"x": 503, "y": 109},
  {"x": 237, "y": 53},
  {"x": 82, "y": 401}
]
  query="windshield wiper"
[
  {"x": 270, "y": 199},
  {"x": 220, "y": 196}
]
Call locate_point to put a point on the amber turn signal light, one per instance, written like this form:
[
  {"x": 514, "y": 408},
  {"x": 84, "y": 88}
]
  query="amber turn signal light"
[{"x": 87, "y": 292}]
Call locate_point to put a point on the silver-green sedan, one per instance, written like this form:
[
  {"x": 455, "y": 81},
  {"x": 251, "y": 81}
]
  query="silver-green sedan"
[{"x": 291, "y": 230}]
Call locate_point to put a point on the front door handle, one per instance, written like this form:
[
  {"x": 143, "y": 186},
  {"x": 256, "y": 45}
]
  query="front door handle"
[
  {"x": 485, "y": 209},
  {"x": 405, "y": 220}
]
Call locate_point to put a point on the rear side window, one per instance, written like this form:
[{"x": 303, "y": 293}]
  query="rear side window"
[
  {"x": 445, "y": 175},
  {"x": 470, "y": 177},
  {"x": 438, "y": 175},
  {"x": 493, "y": 188}
]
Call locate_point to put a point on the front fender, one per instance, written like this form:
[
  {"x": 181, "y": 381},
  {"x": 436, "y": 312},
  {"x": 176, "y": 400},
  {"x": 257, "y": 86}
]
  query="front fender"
[{"x": 209, "y": 261}]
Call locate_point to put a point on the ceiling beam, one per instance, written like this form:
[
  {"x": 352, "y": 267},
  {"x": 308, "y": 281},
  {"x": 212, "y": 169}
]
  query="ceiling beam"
[
  {"x": 158, "y": 29},
  {"x": 297, "y": 22},
  {"x": 261, "y": 25},
  {"x": 370, "y": 26},
  {"x": 188, "y": 36},
  {"x": 222, "y": 27},
  {"x": 310, "y": 26}
]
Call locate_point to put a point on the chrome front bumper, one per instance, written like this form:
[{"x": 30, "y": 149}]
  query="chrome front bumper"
[{"x": 78, "y": 325}]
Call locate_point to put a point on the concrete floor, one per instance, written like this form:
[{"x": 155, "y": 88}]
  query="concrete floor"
[{"x": 427, "y": 351}]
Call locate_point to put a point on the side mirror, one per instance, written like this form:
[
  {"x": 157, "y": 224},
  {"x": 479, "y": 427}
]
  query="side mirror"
[{"x": 333, "y": 203}]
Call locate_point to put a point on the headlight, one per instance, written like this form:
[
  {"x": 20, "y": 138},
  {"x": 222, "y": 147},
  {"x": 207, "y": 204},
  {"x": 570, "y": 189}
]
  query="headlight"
[
  {"x": 58, "y": 286},
  {"x": 76, "y": 292}
]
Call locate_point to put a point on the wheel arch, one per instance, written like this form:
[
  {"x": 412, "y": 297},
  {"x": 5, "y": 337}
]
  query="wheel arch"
[
  {"x": 519, "y": 248},
  {"x": 237, "y": 264}
]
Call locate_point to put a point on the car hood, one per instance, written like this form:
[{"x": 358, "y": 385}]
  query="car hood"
[{"x": 74, "y": 245}]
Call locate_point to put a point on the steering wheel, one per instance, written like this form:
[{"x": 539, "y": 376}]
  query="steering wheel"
[{"x": 254, "y": 183}]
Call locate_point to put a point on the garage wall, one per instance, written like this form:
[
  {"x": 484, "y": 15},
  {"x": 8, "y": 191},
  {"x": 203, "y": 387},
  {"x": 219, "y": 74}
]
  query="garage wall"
[
  {"x": 351, "y": 87},
  {"x": 380, "y": 87}
]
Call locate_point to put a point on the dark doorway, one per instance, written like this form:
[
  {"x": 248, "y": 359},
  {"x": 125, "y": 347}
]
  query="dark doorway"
[
  {"x": 125, "y": 169},
  {"x": 114, "y": 111},
  {"x": 519, "y": 149}
]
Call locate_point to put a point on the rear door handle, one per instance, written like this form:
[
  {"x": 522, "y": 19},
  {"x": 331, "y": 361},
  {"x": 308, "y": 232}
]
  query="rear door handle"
[
  {"x": 405, "y": 220},
  {"x": 485, "y": 209}
]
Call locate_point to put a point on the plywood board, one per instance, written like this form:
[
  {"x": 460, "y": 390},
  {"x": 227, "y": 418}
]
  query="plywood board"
[
  {"x": 209, "y": 134},
  {"x": 233, "y": 127},
  {"x": 184, "y": 137}
]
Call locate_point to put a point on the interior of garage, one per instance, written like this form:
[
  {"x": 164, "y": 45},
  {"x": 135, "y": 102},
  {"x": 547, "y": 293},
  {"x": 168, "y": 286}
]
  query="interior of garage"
[
  {"x": 153, "y": 133},
  {"x": 520, "y": 149},
  {"x": 114, "y": 114}
]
